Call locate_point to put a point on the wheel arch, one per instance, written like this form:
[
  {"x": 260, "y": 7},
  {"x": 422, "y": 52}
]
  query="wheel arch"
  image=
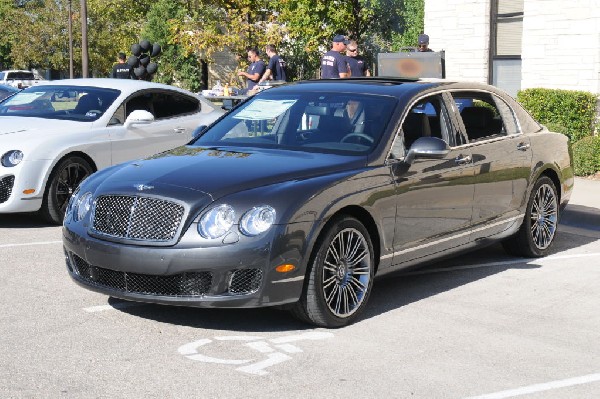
[
  {"x": 80, "y": 154},
  {"x": 364, "y": 217}
]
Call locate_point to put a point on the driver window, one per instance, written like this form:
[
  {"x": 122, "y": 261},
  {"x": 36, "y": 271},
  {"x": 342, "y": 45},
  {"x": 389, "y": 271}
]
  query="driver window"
[{"x": 426, "y": 118}]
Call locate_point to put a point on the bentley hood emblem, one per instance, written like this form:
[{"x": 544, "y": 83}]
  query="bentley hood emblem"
[{"x": 142, "y": 187}]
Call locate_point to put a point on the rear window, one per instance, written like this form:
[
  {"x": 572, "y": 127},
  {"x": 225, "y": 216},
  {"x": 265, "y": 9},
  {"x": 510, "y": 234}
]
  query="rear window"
[{"x": 20, "y": 75}]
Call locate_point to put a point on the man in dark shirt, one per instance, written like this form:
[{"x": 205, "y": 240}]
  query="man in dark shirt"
[
  {"x": 277, "y": 68},
  {"x": 424, "y": 43},
  {"x": 333, "y": 63},
  {"x": 356, "y": 63},
  {"x": 121, "y": 69},
  {"x": 255, "y": 70}
]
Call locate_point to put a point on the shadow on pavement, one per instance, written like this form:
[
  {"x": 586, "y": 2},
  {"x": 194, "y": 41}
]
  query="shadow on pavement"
[{"x": 23, "y": 220}]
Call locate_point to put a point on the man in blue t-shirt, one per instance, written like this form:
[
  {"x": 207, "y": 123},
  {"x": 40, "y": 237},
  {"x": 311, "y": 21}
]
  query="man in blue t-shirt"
[
  {"x": 356, "y": 63},
  {"x": 333, "y": 63},
  {"x": 255, "y": 70},
  {"x": 277, "y": 68}
]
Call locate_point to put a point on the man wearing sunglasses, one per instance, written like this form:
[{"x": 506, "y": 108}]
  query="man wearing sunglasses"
[{"x": 356, "y": 64}]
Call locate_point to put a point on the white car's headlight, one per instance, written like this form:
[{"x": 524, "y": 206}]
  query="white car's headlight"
[
  {"x": 12, "y": 158},
  {"x": 257, "y": 220},
  {"x": 216, "y": 222},
  {"x": 83, "y": 206}
]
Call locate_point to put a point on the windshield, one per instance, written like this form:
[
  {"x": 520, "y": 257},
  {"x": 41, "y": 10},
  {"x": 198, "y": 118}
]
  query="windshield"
[
  {"x": 331, "y": 122},
  {"x": 76, "y": 103}
]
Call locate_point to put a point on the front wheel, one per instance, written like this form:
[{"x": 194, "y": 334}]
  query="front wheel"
[
  {"x": 538, "y": 230},
  {"x": 340, "y": 276},
  {"x": 63, "y": 181}
]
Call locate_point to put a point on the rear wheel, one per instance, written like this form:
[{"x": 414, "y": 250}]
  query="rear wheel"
[
  {"x": 536, "y": 235},
  {"x": 63, "y": 181},
  {"x": 340, "y": 276}
]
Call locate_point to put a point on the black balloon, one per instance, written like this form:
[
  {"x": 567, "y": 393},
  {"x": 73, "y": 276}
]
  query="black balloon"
[
  {"x": 156, "y": 49},
  {"x": 133, "y": 61},
  {"x": 136, "y": 49},
  {"x": 145, "y": 45},
  {"x": 152, "y": 68},
  {"x": 144, "y": 59},
  {"x": 140, "y": 72}
]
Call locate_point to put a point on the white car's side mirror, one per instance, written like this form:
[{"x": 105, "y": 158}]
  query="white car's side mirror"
[{"x": 139, "y": 117}]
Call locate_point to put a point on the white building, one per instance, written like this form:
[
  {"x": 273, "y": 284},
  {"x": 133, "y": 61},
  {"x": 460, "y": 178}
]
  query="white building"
[{"x": 519, "y": 44}]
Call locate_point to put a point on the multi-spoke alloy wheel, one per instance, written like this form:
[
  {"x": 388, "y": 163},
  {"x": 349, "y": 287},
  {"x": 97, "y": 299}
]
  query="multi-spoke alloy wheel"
[
  {"x": 538, "y": 229},
  {"x": 346, "y": 272},
  {"x": 544, "y": 216},
  {"x": 64, "y": 180},
  {"x": 340, "y": 275}
]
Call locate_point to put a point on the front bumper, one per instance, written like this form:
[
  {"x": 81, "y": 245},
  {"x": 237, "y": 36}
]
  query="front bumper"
[{"x": 237, "y": 274}]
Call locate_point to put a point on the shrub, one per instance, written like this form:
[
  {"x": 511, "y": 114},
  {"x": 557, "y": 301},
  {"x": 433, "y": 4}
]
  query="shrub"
[
  {"x": 574, "y": 111},
  {"x": 586, "y": 156}
]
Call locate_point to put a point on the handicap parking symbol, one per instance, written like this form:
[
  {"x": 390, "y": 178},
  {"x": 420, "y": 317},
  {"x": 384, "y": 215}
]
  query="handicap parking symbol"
[{"x": 274, "y": 351}]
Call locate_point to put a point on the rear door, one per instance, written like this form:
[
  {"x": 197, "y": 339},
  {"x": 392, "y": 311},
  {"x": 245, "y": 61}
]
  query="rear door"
[
  {"x": 501, "y": 160},
  {"x": 434, "y": 196}
]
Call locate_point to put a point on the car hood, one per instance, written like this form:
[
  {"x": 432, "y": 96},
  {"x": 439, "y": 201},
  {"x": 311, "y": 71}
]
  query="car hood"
[
  {"x": 18, "y": 124},
  {"x": 218, "y": 172}
]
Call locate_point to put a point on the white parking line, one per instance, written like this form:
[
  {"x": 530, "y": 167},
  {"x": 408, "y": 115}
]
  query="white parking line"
[
  {"x": 119, "y": 305},
  {"x": 511, "y": 393},
  {"x": 25, "y": 244}
]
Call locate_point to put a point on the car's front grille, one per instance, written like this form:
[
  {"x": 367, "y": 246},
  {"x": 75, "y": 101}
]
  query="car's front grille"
[
  {"x": 6, "y": 186},
  {"x": 137, "y": 218},
  {"x": 190, "y": 284},
  {"x": 245, "y": 281}
]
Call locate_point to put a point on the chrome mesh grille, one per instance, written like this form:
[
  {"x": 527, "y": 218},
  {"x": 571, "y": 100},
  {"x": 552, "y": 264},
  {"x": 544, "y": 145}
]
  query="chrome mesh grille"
[
  {"x": 245, "y": 281},
  {"x": 191, "y": 284},
  {"x": 139, "y": 218},
  {"x": 6, "y": 186}
]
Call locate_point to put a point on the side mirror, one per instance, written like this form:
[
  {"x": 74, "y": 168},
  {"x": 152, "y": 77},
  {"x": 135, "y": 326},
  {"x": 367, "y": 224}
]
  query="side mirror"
[
  {"x": 428, "y": 148},
  {"x": 198, "y": 131},
  {"x": 139, "y": 117}
]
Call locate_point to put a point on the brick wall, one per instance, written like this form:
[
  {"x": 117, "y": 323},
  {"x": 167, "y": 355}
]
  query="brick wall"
[
  {"x": 561, "y": 45},
  {"x": 461, "y": 28}
]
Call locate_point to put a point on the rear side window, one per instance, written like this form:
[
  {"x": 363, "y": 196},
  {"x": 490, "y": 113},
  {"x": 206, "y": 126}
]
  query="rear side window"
[
  {"x": 484, "y": 115},
  {"x": 169, "y": 105}
]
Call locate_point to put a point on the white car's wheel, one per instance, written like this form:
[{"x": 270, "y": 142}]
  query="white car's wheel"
[{"x": 63, "y": 181}]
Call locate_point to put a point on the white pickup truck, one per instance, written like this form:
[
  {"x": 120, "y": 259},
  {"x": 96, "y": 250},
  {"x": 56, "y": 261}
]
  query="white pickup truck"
[{"x": 19, "y": 78}]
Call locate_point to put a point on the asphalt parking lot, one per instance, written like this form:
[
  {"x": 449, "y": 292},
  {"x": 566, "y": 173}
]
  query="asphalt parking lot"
[{"x": 483, "y": 325}]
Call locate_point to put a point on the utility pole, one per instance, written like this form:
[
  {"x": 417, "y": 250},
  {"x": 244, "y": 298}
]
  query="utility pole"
[
  {"x": 70, "y": 41},
  {"x": 84, "y": 40}
]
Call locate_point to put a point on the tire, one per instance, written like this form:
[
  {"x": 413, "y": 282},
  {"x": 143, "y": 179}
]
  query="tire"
[
  {"x": 339, "y": 277},
  {"x": 537, "y": 232},
  {"x": 64, "y": 180}
]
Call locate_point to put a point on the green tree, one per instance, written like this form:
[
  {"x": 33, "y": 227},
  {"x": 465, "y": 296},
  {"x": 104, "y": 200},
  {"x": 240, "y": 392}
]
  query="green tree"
[{"x": 176, "y": 66}]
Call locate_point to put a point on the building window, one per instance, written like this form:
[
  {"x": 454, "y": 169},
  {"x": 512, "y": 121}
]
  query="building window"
[{"x": 505, "y": 47}]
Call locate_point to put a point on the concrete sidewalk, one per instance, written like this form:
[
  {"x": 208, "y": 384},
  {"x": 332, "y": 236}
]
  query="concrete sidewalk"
[
  {"x": 582, "y": 215},
  {"x": 586, "y": 193}
]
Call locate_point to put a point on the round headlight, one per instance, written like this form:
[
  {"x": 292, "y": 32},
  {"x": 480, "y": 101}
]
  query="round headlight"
[
  {"x": 257, "y": 220},
  {"x": 216, "y": 222},
  {"x": 12, "y": 158},
  {"x": 84, "y": 204}
]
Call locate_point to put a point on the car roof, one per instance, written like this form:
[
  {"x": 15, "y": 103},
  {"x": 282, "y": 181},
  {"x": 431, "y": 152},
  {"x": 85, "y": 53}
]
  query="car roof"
[
  {"x": 125, "y": 85},
  {"x": 381, "y": 85}
]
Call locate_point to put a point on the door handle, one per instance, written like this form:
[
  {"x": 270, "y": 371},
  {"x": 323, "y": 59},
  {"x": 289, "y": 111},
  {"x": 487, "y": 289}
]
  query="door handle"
[
  {"x": 179, "y": 130},
  {"x": 462, "y": 160},
  {"x": 523, "y": 146}
]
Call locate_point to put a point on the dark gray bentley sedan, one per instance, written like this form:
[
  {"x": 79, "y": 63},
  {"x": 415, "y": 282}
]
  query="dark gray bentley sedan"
[{"x": 302, "y": 194}]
